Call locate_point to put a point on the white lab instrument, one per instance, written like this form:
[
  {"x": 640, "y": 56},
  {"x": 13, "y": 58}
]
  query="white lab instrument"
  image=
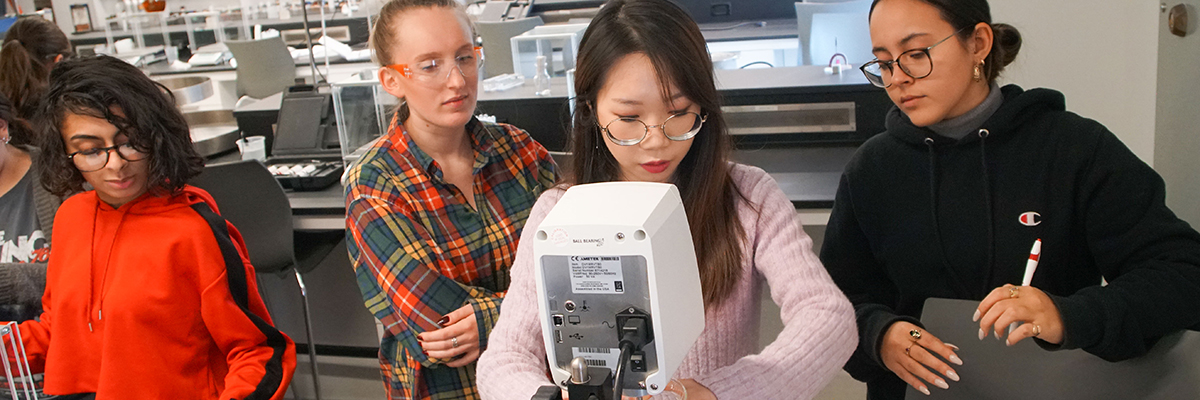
[{"x": 615, "y": 250}]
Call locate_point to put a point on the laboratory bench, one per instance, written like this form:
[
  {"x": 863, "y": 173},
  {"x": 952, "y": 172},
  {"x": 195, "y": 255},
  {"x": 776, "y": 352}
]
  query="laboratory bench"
[
  {"x": 800, "y": 124},
  {"x": 302, "y": 67},
  {"x": 781, "y": 28},
  {"x": 177, "y": 31}
]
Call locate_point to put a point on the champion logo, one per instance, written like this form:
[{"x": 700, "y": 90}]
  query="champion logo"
[{"x": 1030, "y": 218}]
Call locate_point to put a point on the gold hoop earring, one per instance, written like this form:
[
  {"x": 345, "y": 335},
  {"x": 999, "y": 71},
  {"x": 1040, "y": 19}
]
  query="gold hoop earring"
[{"x": 979, "y": 71}]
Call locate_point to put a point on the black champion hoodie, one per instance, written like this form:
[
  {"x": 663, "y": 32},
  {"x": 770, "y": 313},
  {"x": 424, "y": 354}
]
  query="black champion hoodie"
[{"x": 919, "y": 215}]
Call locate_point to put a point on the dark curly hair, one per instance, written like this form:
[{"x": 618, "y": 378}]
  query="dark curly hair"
[{"x": 142, "y": 109}]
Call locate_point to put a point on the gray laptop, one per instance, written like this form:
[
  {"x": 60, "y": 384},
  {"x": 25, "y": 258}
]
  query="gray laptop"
[{"x": 991, "y": 370}]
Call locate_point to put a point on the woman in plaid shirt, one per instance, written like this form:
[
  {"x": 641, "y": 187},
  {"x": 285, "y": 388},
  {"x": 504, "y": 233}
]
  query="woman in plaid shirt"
[{"x": 434, "y": 208}]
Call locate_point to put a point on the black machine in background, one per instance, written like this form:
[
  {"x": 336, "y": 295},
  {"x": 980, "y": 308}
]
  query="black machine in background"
[
  {"x": 709, "y": 11},
  {"x": 302, "y": 139},
  {"x": 306, "y": 138},
  {"x": 504, "y": 10},
  {"x": 823, "y": 115},
  {"x": 549, "y": 10}
]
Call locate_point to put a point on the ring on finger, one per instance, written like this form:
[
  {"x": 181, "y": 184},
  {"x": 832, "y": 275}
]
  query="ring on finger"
[
  {"x": 1012, "y": 292},
  {"x": 909, "y": 348},
  {"x": 1037, "y": 330},
  {"x": 454, "y": 342},
  {"x": 916, "y": 334}
]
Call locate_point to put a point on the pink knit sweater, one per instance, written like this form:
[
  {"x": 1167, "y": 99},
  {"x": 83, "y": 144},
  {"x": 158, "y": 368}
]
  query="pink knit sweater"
[{"x": 819, "y": 331}]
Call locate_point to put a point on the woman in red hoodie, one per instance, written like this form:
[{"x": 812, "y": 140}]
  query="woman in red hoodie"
[{"x": 150, "y": 294}]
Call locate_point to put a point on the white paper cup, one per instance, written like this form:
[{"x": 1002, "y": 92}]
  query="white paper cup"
[{"x": 253, "y": 148}]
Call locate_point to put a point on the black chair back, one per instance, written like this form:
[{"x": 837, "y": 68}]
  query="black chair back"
[{"x": 250, "y": 198}]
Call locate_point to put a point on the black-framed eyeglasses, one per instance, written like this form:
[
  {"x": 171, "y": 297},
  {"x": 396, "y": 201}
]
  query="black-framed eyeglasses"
[
  {"x": 95, "y": 159},
  {"x": 631, "y": 131},
  {"x": 915, "y": 63}
]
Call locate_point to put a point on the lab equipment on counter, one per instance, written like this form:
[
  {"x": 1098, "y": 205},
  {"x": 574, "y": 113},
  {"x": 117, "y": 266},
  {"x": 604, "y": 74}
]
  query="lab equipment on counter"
[
  {"x": 497, "y": 36},
  {"x": 189, "y": 89},
  {"x": 306, "y": 152},
  {"x": 254, "y": 148},
  {"x": 141, "y": 57},
  {"x": 213, "y": 131},
  {"x": 618, "y": 285},
  {"x": 264, "y": 66},
  {"x": 541, "y": 78},
  {"x": 500, "y": 83},
  {"x": 213, "y": 54},
  {"x": 363, "y": 110},
  {"x": 306, "y": 175},
  {"x": 19, "y": 381},
  {"x": 547, "y": 38}
]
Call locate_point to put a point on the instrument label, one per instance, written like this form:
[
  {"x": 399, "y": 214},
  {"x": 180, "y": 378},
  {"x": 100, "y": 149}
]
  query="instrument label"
[{"x": 596, "y": 275}]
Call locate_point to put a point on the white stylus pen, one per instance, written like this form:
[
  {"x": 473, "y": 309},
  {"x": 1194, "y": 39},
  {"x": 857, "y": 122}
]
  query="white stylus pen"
[{"x": 1030, "y": 267}]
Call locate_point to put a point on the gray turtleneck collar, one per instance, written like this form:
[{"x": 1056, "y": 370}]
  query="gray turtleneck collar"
[{"x": 962, "y": 125}]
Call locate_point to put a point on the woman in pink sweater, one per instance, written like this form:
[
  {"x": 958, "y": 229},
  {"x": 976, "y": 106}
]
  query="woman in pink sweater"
[{"x": 648, "y": 110}]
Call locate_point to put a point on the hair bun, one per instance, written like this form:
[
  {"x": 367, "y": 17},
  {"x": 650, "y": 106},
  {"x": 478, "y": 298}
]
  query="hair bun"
[{"x": 1007, "y": 43}]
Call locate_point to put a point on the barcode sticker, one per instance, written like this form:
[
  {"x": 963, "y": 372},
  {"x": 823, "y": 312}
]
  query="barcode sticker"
[
  {"x": 595, "y": 350},
  {"x": 597, "y": 356}
]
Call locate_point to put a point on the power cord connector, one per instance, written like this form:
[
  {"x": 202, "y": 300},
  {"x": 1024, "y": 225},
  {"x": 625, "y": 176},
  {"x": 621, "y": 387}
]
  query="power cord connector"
[{"x": 634, "y": 330}]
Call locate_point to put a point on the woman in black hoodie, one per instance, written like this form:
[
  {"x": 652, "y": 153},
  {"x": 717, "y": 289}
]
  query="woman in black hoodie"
[{"x": 950, "y": 199}]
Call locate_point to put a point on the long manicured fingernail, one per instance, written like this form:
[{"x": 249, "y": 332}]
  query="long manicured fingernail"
[
  {"x": 953, "y": 376},
  {"x": 940, "y": 383},
  {"x": 952, "y": 346},
  {"x": 924, "y": 390},
  {"x": 445, "y": 320},
  {"x": 982, "y": 334},
  {"x": 420, "y": 339},
  {"x": 956, "y": 360},
  {"x": 975, "y": 318},
  {"x": 997, "y": 334}
]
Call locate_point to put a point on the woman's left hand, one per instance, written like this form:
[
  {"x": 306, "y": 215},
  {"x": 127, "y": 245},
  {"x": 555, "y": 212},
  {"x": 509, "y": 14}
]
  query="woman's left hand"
[
  {"x": 1008, "y": 304},
  {"x": 459, "y": 337},
  {"x": 680, "y": 389},
  {"x": 686, "y": 389}
]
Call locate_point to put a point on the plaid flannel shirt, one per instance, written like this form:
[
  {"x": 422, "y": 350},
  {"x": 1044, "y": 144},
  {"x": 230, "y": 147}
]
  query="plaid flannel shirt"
[{"x": 420, "y": 251}]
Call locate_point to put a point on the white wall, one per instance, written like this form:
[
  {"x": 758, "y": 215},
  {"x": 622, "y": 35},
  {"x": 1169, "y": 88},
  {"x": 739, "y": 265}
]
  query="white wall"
[
  {"x": 1101, "y": 54},
  {"x": 62, "y": 15},
  {"x": 1178, "y": 125},
  {"x": 26, "y": 6}
]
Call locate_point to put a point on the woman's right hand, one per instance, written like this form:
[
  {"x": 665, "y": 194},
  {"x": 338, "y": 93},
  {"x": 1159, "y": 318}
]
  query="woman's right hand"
[{"x": 912, "y": 359}]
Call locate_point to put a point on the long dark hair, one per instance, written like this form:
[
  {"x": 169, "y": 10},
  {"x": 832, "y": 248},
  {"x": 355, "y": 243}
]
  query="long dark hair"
[
  {"x": 668, "y": 36},
  {"x": 102, "y": 87},
  {"x": 28, "y": 52},
  {"x": 16, "y": 127},
  {"x": 963, "y": 14}
]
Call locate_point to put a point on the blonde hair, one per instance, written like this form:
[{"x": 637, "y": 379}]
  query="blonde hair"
[{"x": 383, "y": 34}]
